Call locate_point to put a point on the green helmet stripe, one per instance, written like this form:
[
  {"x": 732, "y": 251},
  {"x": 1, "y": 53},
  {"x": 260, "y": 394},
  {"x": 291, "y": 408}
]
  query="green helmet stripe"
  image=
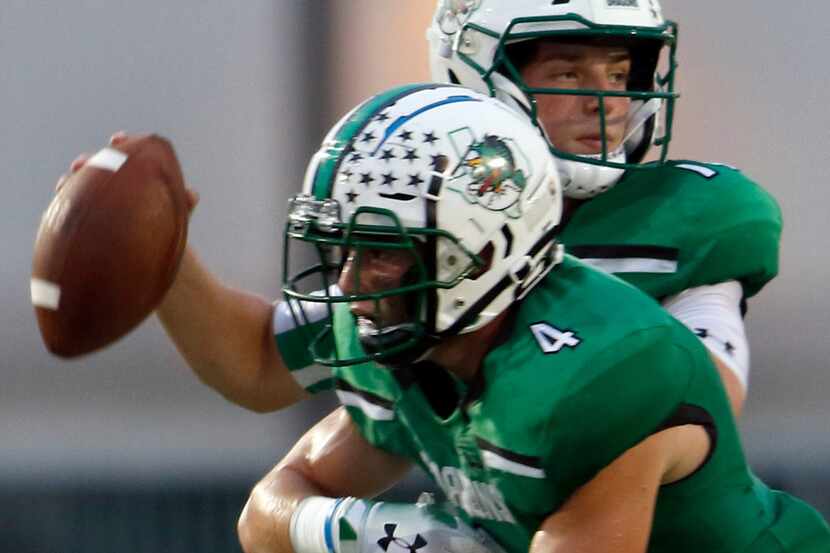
[{"x": 352, "y": 127}]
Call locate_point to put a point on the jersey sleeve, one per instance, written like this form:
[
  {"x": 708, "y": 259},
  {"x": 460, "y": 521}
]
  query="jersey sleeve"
[
  {"x": 369, "y": 392},
  {"x": 713, "y": 314},
  {"x": 365, "y": 393},
  {"x": 680, "y": 225},
  {"x": 741, "y": 234},
  {"x": 294, "y": 333},
  {"x": 629, "y": 391}
]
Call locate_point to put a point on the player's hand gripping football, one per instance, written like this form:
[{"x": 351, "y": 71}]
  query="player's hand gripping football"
[
  {"x": 109, "y": 245},
  {"x": 360, "y": 526},
  {"x": 117, "y": 139}
]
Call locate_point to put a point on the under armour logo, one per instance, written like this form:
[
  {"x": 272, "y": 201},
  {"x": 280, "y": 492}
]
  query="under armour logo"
[{"x": 390, "y": 537}]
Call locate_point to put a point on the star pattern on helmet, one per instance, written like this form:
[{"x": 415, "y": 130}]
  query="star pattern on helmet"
[
  {"x": 370, "y": 162},
  {"x": 430, "y": 138},
  {"x": 366, "y": 178},
  {"x": 389, "y": 178},
  {"x": 415, "y": 180}
]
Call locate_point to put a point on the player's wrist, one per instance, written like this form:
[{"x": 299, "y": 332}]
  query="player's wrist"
[
  {"x": 317, "y": 523},
  {"x": 350, "y": 525},
  {"x": 307, "y": 528}
]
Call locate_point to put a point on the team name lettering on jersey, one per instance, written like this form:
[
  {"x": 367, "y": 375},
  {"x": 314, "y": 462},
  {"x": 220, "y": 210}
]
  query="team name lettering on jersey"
[{"x": 479, "y": 499}]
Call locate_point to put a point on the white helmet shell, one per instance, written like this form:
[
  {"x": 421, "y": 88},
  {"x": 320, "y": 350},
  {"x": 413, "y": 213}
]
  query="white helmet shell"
[
  {"x": 464, "y": 39},
  {"x": 455, "y": 161}
]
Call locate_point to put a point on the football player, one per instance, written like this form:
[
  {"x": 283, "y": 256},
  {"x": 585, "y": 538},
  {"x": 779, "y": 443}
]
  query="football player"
[
  {"x": 699, "y": 238},
  {"x": 558, "y": 408},
  {"x": 597, "y": 77}
]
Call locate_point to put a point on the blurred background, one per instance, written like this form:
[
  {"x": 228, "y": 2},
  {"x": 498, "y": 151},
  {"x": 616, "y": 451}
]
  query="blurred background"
[{"x": 125, "y": 450}]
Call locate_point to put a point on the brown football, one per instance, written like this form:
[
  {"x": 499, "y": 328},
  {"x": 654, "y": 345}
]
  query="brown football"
[{"x": 109, "y": 245}]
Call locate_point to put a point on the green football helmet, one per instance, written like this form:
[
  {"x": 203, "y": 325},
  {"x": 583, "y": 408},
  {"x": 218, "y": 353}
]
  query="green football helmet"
[{"x": 455, "y": 183}]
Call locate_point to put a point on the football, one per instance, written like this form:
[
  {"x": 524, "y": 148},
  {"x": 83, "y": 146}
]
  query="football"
[{"x": 109, "y": 245}]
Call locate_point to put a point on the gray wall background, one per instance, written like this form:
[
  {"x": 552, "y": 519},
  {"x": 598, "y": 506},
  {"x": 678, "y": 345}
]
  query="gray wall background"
[
  {"x": 227, "y": 84},
  {"x": 754, "y": 95},
  {"x": 231, "y": 86}
]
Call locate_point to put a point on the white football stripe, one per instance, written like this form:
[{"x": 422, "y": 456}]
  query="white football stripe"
[
  {"x": 309, "y": 376},
  {"x": 496, "y": 461},
  {"x": 375, "y": 412},
  {"x": 108, "y": 158},
  {"x": 45, "y": 294},
  {"x": 631, "y": 264}
]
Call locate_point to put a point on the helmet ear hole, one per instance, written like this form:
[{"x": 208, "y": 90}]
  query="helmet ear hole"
[
  {"x": 486, "y": 254},
  {"x": 453, "y": 77}
]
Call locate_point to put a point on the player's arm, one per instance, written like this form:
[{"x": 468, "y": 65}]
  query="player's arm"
[
  {"x": 714, "y": 314},
  {"x": 614, "y": 510},
  {"x": 735, "y": 389},
  {"x": 309, "y": 502},
  {"x": 226, "y": 336},
  {"x": 331, "y": 460}
]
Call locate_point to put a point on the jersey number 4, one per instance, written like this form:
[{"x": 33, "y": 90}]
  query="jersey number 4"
[{"x": 551, "y": 339}]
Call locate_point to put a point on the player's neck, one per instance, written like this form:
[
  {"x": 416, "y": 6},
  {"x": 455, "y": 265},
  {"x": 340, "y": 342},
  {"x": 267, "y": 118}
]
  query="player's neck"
[{"x": 463, "y": 354}]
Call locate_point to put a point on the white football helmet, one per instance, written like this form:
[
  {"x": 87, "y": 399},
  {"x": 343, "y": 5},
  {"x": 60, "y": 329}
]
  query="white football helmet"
[
  {"x": 458, "y": 179},
  {"x": 469, "y": 44}
]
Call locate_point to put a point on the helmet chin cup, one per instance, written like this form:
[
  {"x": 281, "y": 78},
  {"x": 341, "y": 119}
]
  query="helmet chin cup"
[
  {"x": 379, "y": 342},
  {"x": 581, "y": 180}
]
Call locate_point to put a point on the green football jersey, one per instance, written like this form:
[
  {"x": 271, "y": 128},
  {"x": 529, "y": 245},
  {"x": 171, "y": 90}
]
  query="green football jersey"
[
  {"x": 663, "y": 229},
  {"x": 677, "y": 226},
  {"x": 589, "y": 368}
]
